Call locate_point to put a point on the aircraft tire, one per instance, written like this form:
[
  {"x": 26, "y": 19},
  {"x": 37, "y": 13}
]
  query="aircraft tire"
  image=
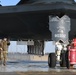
[
  {"x": 68, "y": 64},
  {"x": 63, "y": 61},
  {"x": 52, "y": 60},
  {"x": 67, "y": 60}
]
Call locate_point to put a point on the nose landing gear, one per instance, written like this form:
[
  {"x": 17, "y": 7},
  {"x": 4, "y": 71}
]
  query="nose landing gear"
[{"x": 60, "y": 27}]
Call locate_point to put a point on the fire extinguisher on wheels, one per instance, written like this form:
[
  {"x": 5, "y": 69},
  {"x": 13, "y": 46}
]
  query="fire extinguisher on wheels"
[{"x": 71, "y": 54}]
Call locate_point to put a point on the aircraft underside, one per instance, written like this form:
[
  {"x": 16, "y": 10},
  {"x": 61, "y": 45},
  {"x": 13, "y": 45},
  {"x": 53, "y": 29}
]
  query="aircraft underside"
[
  {"x": 29, "y": 26},
  {"x": 27, "y": 22},
  {"x": 25, "y": 26}
]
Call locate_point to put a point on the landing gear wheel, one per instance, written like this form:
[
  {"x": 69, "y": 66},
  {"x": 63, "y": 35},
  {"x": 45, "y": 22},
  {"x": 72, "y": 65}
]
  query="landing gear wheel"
[
  {"x": 52, "y": 60},
  {"x": 68, "y": 64},
  {"x": 63, "y": 61},
  {"x": 67, "y": 60}
]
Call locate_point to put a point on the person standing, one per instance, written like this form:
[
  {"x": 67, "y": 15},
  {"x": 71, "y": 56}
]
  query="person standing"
[
  {"x": 6, "y": 43},
  {"x": 1, "y": 51}
]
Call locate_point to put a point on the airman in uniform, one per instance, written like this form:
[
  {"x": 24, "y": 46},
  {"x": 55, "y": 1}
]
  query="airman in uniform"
[
  {"x": 6, "y": 43},
  {"x": 1, "y": 51}
]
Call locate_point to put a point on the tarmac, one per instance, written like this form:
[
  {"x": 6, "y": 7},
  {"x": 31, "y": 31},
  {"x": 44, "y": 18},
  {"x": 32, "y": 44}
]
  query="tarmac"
[
  {"x": 33, "y": 68},
  {"x": 18, "y": 66},
  {"x": 38, "y": 73},
  {"x": 46, "y": 73}
]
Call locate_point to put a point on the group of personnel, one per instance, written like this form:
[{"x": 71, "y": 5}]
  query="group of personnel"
[{"x": 4, "y": 43}]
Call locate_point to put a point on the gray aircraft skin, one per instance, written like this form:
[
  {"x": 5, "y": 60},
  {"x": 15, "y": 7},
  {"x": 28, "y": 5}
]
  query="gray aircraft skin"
[{"x": 29, "y": 19}]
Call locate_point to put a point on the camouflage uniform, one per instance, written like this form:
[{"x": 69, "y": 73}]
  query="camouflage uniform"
[
  {"x": 1, "y": 50},
  {"x": 5, "y": 50}
]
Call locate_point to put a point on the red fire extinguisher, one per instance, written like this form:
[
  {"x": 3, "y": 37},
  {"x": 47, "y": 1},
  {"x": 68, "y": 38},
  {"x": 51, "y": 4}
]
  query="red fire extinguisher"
[
  {"x": 72, "y": 56},
  {"x": 72, "y": 53}
]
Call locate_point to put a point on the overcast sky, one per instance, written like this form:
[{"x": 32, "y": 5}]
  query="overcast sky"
[{"x": 8, "y": 2}]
